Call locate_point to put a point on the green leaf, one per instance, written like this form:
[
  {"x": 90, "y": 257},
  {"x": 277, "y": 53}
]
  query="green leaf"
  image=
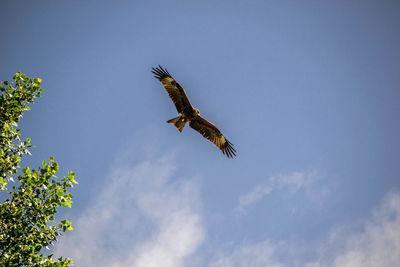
[
  {"x": 60, "y": 192},
  {"x": 26, "y": 170},
  {"x": 71, "y": 176}
]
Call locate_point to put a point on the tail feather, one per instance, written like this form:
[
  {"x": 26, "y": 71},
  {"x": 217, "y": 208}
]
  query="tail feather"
[{"x": 179, "y": 122}]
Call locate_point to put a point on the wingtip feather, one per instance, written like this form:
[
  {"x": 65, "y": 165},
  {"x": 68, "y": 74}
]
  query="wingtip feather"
[
  {"x": 160, "y": 72},
  {"x": 229, "y": 150}
]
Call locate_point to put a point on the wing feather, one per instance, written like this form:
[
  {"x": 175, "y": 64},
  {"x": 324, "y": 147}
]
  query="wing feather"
[
  {"x": 174, "y": 90},
  {"x": 212, "y": 133}
]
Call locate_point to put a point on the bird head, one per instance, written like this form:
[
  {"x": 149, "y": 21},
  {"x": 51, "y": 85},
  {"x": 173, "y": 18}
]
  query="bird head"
[{"x": 197, "y": 111}]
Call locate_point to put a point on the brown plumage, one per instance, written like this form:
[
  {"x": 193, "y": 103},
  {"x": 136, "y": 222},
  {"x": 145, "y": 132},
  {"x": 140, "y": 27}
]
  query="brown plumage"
[{"x": 190, "y": 114}]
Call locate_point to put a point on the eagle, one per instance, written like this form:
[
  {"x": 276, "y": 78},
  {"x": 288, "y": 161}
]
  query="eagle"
[{"x": 191, "y": 114}]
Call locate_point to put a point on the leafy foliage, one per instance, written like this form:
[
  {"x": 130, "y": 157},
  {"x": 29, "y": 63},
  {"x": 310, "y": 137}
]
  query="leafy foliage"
[
  {"x": 14, "y": 101},
  {"x": 27, "y": 222}
]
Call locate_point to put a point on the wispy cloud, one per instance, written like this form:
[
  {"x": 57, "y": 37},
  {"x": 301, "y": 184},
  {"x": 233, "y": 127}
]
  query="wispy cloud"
[
  {"x": 140, "y": 218},
  {"x": 256, "y": 254},
  {"x": 291, "y": 182},
  {"x": 143, "y": 217},
  {"x": 377, "y": 245}
]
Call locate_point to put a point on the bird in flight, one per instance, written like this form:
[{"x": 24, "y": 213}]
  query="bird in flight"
[{"x": 191, "y": 114}]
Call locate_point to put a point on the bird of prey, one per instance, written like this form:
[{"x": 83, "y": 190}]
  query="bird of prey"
[{"x": 191, "y": 114}]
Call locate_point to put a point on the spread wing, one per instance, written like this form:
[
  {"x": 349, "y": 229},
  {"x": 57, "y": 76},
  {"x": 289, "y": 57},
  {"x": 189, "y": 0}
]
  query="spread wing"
[
  {"x": 174, "y": 90},
  {"x": 211, "y": 132}
]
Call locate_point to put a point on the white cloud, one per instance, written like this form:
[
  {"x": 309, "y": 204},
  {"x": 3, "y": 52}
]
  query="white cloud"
[
  {"x": 292, "y": 182},
  {"x": 257, "y": 254},
  {"x": 376, "y": 245},
  {"x": 379, "y": 243},
  {"x": 140, "y": 218}
]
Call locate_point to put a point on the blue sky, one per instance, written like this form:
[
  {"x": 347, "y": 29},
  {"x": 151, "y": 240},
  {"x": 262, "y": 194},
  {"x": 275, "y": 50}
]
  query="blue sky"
[{"x": 307, "y": 91}]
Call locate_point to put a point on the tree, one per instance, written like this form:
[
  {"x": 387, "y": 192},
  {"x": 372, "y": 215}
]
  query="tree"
[{"x": 27, "y": 222}]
